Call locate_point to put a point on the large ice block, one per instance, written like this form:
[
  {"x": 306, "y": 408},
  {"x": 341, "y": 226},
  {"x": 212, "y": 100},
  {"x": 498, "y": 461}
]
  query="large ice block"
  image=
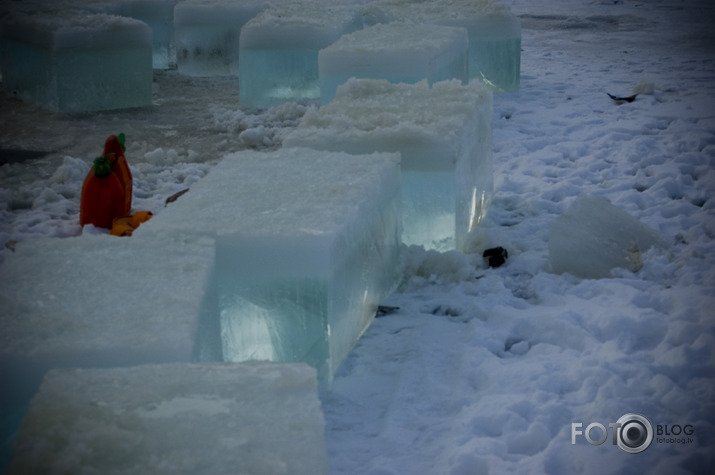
[
  {"x": 251, "y": 418},
  {"x": 158, "y": 14},
  {"x": 206, "y": 34},
  {"x": 77, "y": 62},
  {"x": 444, "y": 136},
  {"x": 592, "y": 237},
  {"x": 494, "y": 33},
  {"x": 279, "y": 49},
  {"x": 100, "y": 301},
  {"x": 307, "y": 245},
  {"x": 398, "y": 52}
]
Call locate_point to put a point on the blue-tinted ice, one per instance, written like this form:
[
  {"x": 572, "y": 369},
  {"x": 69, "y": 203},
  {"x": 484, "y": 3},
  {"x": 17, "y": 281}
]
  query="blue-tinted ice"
[
  {"x": 398, "y": 52},
  {"x": 278, "y": 56},
  {"x": 307, "y": 245},
  {"x": 494, "y": 33},
  {"x": 206, "y": 35},
  {"x": 77, "y": 62},
  {"x": 443, "y": 134}
]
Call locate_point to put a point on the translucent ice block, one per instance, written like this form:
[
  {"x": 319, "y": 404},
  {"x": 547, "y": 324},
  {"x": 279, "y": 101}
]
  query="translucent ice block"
[
  {"x": 592, "y": 237},
  {"x": 77, "y": 62},
  {"x": 206, "y": 34},
  {"x": 279, "y": 50},
  {"x": 444, "y": 136},
  {"x": 252, "y": 418},
  {"x": 398, "y": 52},
  {"x": 158, "y": 14},
  {"x": 101, "y": 301},
  {"x": 307, "y": 245},
  {"x": 494, "y": 33}
]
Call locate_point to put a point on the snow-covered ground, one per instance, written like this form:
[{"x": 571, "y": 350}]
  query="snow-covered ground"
[{"x": 485, "y": 370}]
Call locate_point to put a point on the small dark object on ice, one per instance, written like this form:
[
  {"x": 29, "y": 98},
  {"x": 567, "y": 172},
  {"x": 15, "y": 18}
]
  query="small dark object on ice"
[
  {"x": 495, "y": 256},
  {"x": 174, "y": 197},
  {"x": 621, "y": 100},
  {"x": 383, "y": 310}
]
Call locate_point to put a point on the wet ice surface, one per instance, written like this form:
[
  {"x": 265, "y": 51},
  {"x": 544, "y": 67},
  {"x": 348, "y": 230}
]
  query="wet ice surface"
[{"x": 486, "y": 369}]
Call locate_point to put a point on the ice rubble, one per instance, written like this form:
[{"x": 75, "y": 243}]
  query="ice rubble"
[
  {"x": 592, "y": 237},
  {"x": 253, "y": 417},
  {"x": 444, "y": 136}
]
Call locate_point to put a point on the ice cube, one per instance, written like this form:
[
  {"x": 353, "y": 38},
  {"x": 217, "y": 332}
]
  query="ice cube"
[
  {"x": 279, "y": 49},
  {"x": 398, "y": 52},
  {"x": 494, "y": 33},
  {"x": 444, "y": 136},
  {"x": 307, "y": 245},
  {"x": 77, "y": 62},
  {"x": 252, "y": 417},
  {"x": 592, "y": 237},
  {"x": 206, "y": 34}
]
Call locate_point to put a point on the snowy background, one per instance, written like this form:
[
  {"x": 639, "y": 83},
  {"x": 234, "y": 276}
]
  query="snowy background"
[{"x": 484, "y": 370}]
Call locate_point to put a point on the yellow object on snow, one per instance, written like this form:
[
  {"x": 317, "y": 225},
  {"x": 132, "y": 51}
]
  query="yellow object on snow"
[{"x": 126, "y": 225}]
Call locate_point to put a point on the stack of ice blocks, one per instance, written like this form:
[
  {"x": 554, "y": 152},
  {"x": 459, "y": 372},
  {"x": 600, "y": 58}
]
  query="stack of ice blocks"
[
  {"x": 307, "y": 245},
  {"x": 175, "y": 418},
  {"x": 443, "y": 134},
  {"x": 206, "y": 34},
  {"x": 158, "y": 14},
  {"x": 77, "y": 62},
  {"x": 398, "y": 52},
  {"x": 279, "y": 49},
  {"x": 494, "y": 33}
]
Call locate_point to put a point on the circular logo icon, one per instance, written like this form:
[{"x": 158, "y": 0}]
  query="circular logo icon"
[{"x": 634, "y": 433}]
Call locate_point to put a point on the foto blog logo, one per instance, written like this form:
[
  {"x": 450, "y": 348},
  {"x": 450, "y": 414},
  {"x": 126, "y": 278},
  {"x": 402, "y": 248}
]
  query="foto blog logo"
[{"x": 632, "y": 433}]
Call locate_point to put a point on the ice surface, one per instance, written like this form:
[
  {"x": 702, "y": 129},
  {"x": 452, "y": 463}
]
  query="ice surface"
[
  {"x": 98, "y": 301},
  {"x": 398, "y": 52},
  {"x": 158, "y": 14},
  {"x": 592, "y": 237},
  {"x": 494, "y": 33},
  {"x": 443, "y": 134},
  {"x": 306, "y": 247},
  {"x": 206, "y": 35},
  {"x": 77, "y": 62},
  {"x": 279, "y": 50},
  {"x": 252, "y": 417}
]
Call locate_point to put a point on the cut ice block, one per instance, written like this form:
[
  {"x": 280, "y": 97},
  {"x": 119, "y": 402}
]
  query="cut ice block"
[
  {"x": 494, "y": 33},
  {"x": 158, "y": 14},
  {"x": 443, "y": 134},
  {"x": 398, "y": 52},
  {"x": 592, "y": 237},
  {"x": 279, "y": 49},
  {"x": 307, "y": 245},
  {"x": 100, "y": 301},
  {"x": 252, "y": 418},
  {"x": 206, "y": 34},
  {"x": 77, "y": 62}
]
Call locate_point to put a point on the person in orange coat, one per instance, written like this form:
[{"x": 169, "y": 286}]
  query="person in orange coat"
[{"x": 107, "y": 189}]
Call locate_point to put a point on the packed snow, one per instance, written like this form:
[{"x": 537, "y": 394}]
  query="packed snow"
[{"x": 484, "y": 370}]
